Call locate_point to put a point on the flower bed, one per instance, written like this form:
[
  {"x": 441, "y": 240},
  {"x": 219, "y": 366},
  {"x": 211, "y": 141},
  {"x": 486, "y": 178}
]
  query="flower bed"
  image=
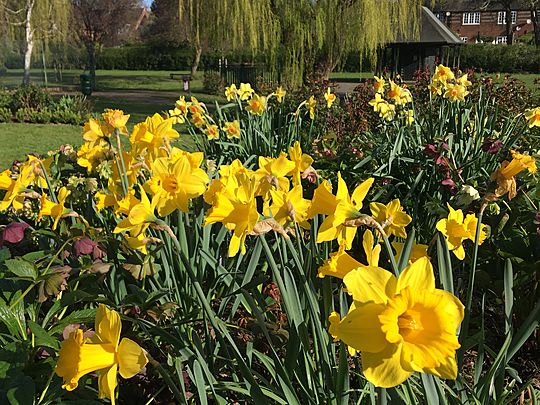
[{"x": 229, "y": 262}]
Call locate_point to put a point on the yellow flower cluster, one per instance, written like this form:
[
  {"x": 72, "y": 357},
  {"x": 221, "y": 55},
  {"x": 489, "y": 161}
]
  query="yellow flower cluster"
[
  {"x": 277, "y": 182},
  {"x": 390, "y": 98},
  {"x": 446, "y": 84}
]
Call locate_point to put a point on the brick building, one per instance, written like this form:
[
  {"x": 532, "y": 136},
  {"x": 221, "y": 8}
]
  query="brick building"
[{"x": 482, "y": 21}]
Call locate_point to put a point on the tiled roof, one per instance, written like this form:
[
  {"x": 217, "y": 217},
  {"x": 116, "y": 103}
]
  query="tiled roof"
[
  {"x": 432, "y": 31},
  {"x": 474, "y": 5}
]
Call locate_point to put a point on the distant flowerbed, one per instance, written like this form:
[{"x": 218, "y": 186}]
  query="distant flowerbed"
[{"x": 231, "y": 256}]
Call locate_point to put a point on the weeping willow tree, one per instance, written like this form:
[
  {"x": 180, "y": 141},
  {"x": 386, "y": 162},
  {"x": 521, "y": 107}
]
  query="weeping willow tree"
[
  {"x": 309, "y": 32},
  {"x": 229, "y": 24},
  {"x": 31, "y": 21}
]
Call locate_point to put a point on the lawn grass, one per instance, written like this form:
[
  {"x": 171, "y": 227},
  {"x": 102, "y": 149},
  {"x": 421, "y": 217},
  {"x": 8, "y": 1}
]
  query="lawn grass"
[{"x": 16, "y": 140}]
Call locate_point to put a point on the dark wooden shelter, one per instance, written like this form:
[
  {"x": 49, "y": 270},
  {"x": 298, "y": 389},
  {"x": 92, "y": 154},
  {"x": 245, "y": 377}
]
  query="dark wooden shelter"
[{"x": 436, "y": 44}]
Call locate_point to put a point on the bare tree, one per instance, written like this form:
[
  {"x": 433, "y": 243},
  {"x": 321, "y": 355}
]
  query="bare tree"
[{"x": 97, "y": 20}]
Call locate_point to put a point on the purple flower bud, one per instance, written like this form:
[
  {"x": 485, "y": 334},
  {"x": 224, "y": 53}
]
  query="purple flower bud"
[
  {"x": 492, "y": 146},
  {"x": 14, "y": 232},
  {"x": 84, "y": 246},
  {"x": 431, "y": 150}
]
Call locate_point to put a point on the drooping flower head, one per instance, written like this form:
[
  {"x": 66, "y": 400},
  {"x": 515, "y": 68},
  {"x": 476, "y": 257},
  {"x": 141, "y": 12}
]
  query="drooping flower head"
[{"x": 104, "y": 353}]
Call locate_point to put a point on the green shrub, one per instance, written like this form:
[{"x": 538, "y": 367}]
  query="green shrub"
[
  {"x": 5, "y": 114},
  {"x": 30, "y": 96},
  {"x": 499, "y": 58},
  {"x": 5, "y": 99},
  {"x": 213, "y": 83}
]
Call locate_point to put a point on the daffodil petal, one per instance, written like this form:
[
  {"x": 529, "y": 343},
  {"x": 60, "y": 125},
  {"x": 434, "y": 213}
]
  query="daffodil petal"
[
  {"x": 418, "y": 276},
  {"x": 370, "y": 284},
  {"x": 383, "y": 369},
  {"x": 360, "y": 328},
  {"x": 107, "y": 383},
  {"x": 131, "y": 358}
]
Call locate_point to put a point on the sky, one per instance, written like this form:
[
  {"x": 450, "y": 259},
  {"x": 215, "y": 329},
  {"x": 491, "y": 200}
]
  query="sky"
[{"x": 147, "y": 2}]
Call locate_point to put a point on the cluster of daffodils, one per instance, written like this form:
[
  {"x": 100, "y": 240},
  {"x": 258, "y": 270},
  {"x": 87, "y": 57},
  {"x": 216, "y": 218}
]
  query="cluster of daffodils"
[
  {"x": 256, "y": 104},
  {"x": 445, "y": 83},
  {"x": 391, "y": 99},
  {"x": 276, "y": 183}
]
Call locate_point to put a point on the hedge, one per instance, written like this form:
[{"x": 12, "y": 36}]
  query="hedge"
[{"x": 501, "y": 58}]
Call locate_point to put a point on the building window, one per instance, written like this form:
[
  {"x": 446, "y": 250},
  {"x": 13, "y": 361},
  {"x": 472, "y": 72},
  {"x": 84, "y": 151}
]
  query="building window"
[
  {"x": 501, "y": 40},
  {"x": 471, "y": 18},
  {"x": 464, "y": 39},
  {"x": 501, "y": 17},
  {"x": 442, "y": 16}
]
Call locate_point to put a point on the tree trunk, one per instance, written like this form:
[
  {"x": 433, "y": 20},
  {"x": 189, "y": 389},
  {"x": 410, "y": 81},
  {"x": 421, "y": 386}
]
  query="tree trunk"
[
  {"x": 196, "y": 59},
  {"x": 509, "y": 29},
  {"x": 91, "y": 62},
  {"x": 536, "y": 28},
  {"x": 29, "y": 41}
]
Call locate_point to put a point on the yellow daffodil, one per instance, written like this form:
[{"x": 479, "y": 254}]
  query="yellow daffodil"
[
  {"x": 175, "y": 183},
  {"x": 435, "y": 89},
  {"x": 256, "y": 105},
  {"x": 443, "y": 74},
  {"x": 199, "y": 120},
  {"x": 329, "y": 97},
  {"x": 52, "y": 209},
  {"x": 301, "y": 161},
  {"x": 14, "y": 191},
  {"x": 212, "y": 132},
  {"x": 339, "y": 264},
  {"x": 94, "y": 131},
  {"x": 153, "y": 135},
  {"x": 395, "y": 93},
  {"x": 506, "y": 175},
  {"x": 347, "y": 208},
  {"x": 195, "y": 107},
  {"x": 456, "y": 229},
  {"x": 455, "y": 92},
  {"x": 116, "y": 119},
  {"x": 103, "y": 353},
  {"x": 417, "y": 251},
  {"x": 228, "y": 178},
  {"x": 182, "y": 105},
  {"x": 391, "y": 217},
  {"x": 376, "y": 102},
  {"x": 91, "y": 154},
  {"x": 231, "y": 92},
  {"x": 379, "y": 84},
  {"x": 406, "y": 96},
  {"x": 245, "y": 91},
  {"x": 232, "y": 129},
  {"x": 401, "y": 325},
  {"x": 371, "y": 249},
  {"x": 289, "y": 207},
  {"x": 464, "y": 80},
  {"x": 311, "y": 103},
  {"x": 280, "y": 94},
  {"x": 323, "y": 201},
  {"x": 409, "y": 116},
  {"x": 272, "y": 174},
  {"x": 177, "y": 116},
  {"x": 236, "y": 209},
  {"x": 387, "y": 111},
  {"x": 533, "y": 117},
  {"x": 140, "y": 216}
]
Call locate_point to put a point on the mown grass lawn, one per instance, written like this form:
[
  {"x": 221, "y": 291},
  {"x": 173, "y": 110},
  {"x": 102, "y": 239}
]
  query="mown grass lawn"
[{"x": 16, "y": 140}]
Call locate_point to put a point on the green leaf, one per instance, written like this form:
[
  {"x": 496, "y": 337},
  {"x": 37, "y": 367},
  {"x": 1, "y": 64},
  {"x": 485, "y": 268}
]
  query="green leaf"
[
  {"x": 22, "y": 392},
  {"x": 42, "y": 337},
  {"x": 22, "y": 269}
]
